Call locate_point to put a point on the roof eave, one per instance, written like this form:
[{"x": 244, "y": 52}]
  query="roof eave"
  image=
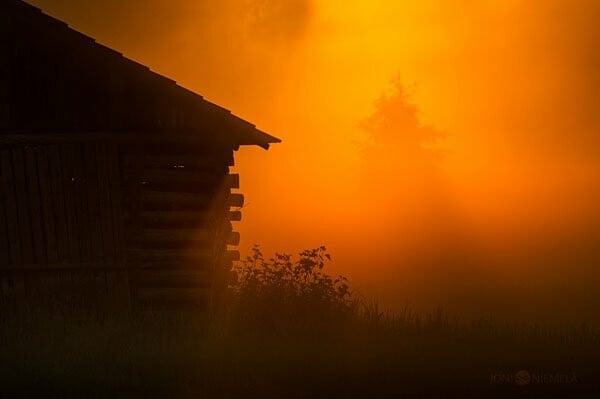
[
  {"x": 262, "y": 139},
  {"x": 246, "y": 133}
]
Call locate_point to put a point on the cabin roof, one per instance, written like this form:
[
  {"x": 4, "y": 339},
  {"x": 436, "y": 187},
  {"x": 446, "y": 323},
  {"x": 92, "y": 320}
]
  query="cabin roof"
[{"x": 143, "y": 92}]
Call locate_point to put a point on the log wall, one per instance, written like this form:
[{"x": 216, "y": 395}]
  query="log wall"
[{"x": 179, "y": 224}]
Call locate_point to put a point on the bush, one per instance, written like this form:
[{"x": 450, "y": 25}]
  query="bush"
[{"x": 285, "y": 286}]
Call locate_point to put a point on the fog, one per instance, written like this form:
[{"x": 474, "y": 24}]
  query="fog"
[{"x": 447, "y": 153}]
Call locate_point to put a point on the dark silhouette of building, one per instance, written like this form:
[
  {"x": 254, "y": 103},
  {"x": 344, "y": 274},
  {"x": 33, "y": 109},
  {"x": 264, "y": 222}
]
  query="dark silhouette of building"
[{"x": 114, "y": 180}]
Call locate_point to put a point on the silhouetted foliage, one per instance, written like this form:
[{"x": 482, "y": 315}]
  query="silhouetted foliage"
[{"x": 286, "y": 286}]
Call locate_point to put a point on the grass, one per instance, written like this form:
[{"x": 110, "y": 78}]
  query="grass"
[{"x": 292, "y": 334}]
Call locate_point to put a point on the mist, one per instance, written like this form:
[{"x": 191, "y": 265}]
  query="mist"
[{"x": 447, "y": 153}]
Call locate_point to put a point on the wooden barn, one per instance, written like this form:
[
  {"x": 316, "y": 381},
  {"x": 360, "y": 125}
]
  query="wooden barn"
[{"x": 114, "y": 181}]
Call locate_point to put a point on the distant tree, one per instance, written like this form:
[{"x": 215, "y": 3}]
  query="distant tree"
[{"x": 397, "y": 140}]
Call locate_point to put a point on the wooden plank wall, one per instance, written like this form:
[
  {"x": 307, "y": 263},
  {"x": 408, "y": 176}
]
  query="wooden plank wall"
[
  {"x": 61, "y": 224},
  {"x": 104, "y": 224},
  {"x": 179, "y": 224}
]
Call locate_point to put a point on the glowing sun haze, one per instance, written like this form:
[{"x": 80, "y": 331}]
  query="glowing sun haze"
[{"x": 447, "y": 152}]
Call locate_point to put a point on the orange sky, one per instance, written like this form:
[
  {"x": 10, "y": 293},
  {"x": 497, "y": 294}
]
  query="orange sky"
[{"x": 447, "y": 152}]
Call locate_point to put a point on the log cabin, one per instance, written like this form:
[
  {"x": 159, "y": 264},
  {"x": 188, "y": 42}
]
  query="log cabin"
[{"x": 115, "y": 188}]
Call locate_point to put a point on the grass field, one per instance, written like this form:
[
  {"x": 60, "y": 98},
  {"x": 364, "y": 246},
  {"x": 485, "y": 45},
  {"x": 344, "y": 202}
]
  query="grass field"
[{"x": 269, "y": 342}]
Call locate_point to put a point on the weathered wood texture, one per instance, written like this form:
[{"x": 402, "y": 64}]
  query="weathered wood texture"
[
  {"x": 60, "y": 204},
  {"x": 61, "y": 224}
]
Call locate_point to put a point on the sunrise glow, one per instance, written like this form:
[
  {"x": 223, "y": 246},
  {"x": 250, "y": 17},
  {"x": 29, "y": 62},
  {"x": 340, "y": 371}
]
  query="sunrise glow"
[{"x": 481, "y": 156}]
